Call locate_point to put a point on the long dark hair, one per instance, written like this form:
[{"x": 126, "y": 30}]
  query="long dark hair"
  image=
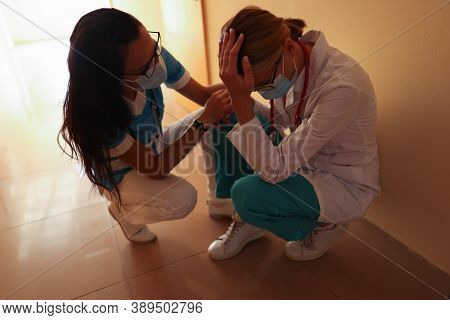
[{"x": 94, "y": 108}]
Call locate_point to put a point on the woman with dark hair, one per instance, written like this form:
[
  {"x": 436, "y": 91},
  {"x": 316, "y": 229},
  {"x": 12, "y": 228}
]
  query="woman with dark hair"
[{"x": 112, "y": 119}]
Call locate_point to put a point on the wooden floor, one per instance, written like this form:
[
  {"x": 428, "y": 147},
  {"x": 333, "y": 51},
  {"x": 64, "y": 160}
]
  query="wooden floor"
[{"x": 57, "y": 241}]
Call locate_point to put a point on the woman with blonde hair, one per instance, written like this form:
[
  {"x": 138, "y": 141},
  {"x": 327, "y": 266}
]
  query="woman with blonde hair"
[{"x": 313, "y": 151}]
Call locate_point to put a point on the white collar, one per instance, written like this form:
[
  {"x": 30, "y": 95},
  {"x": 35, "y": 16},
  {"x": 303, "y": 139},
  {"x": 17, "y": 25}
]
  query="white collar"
[
  {"x": 319, "y": 50},
  {"x": 317, "y": 56}
]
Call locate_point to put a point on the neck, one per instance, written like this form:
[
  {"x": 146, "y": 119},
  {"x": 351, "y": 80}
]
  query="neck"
[
  {"x": 128, "y": 93},
  {"x": 299, "y": 57}
]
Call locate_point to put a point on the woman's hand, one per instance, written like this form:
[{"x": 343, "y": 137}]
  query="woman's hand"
[
  {"x": 236, "y": 84},
  {"x": 217, "y": 108},
  {"x": 239, "y": 86}
]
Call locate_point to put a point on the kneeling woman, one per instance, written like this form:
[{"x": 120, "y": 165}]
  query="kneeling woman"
[
  {"x": 112, "y": 119},
  {"x": 320, "y": 170}
]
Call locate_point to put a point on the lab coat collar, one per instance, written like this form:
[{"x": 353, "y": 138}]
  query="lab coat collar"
[
  {"x": 317, "y": 58},
  {"x": 319, "y": 50}
]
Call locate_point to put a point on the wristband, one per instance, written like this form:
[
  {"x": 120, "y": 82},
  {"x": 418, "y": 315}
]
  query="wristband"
[{"x": 199, "y": 126}]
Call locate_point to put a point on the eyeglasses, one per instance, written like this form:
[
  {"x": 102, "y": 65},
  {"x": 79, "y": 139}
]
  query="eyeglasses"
[
  {"x": 151, "y": 65},
  {"x": 270, "y": 85}
]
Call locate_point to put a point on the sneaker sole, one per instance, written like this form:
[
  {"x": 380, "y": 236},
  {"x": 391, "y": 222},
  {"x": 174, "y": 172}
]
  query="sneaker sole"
[
  {"x": 231, "y": 254},
  {"x": 309, "y": 258},
  {"x": 131, "y": 240}
]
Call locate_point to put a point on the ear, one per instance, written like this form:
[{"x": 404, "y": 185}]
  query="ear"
[{"x": 290, "y": 45}]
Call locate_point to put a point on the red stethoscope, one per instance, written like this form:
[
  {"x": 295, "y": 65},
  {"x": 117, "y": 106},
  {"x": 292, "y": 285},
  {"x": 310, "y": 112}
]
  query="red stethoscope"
[{"x": 302, "y": 96}]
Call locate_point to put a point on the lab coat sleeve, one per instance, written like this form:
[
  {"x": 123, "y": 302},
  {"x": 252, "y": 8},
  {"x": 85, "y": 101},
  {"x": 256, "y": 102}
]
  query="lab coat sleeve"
[
  {"x": 176, "y": 130},
  {"x": 333, "y": 112}
]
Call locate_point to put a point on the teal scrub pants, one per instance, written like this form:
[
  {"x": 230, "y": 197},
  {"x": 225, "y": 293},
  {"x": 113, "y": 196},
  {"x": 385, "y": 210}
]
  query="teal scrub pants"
[{"x": 289, "y": 209}]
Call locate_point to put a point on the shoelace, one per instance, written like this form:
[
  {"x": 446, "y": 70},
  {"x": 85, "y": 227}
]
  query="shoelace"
[
  {"x": 233, "y": 229},
  {"x": 309, "y": 239}
]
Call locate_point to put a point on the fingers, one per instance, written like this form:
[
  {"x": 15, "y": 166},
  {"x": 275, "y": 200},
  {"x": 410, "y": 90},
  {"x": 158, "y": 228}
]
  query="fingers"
[
  {"x": 249, "y": 81},
  {"x": 219, "y": 56},
  {"x": 229, "y": 38},
  {"x": 222, "y": 94},
  {"x": 226, "y": 37},
  {"x": 222, "y": 45},
  {"x": 225, "y": 100},
  {"x": 229, "y": 53},
  {"x": 233, "y": 53},
  {"x": 219, "y": 98},
  {"x": 219, "y": 92}
]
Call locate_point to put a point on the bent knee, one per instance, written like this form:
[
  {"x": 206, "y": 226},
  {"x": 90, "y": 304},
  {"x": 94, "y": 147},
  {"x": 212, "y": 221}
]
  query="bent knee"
[
  {"x": 244, "y": 194},
  {"x": 174, "y": 203},
  {"x": 184, "y": 200}
]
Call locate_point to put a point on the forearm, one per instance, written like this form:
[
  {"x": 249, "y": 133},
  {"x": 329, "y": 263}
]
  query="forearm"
[
  {"x": 157, "y": 166},
  {"x": 176, "y": 152},
  {"x": 243, "y": 107},
  {"x": 266, "y": 159},
  {"x": 199, "y": 93}
]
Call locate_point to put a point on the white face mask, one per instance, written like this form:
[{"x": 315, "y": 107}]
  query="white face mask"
[{"x": 154, "y": 76}]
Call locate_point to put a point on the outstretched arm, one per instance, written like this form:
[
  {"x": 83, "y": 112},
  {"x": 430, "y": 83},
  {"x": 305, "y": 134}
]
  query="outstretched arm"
[{"x": 199, "y": 93}]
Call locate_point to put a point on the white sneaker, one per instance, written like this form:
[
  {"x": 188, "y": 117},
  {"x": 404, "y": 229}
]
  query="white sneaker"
[
  {"x": 138, "y": 234},
  {"x": 220, "y": 208},
  {"x": 234, "y": 240},
  {"x": 315, "y": 244}
]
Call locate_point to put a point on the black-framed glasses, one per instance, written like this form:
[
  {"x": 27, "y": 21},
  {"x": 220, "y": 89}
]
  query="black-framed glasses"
[
  {"x": 270, "y": 85},
  {"x": 151, "y": 64}
]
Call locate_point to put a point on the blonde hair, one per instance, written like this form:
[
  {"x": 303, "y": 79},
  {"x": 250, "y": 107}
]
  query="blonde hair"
[{"x": 264, "y": 34}]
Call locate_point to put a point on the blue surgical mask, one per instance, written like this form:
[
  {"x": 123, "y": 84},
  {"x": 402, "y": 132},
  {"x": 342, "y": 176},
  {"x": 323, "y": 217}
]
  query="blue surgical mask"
[{"x": 282, "y": 85}]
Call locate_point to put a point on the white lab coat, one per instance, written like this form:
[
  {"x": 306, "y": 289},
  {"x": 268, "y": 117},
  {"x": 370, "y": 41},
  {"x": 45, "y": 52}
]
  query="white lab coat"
[{"x": 335, "y": 145}]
